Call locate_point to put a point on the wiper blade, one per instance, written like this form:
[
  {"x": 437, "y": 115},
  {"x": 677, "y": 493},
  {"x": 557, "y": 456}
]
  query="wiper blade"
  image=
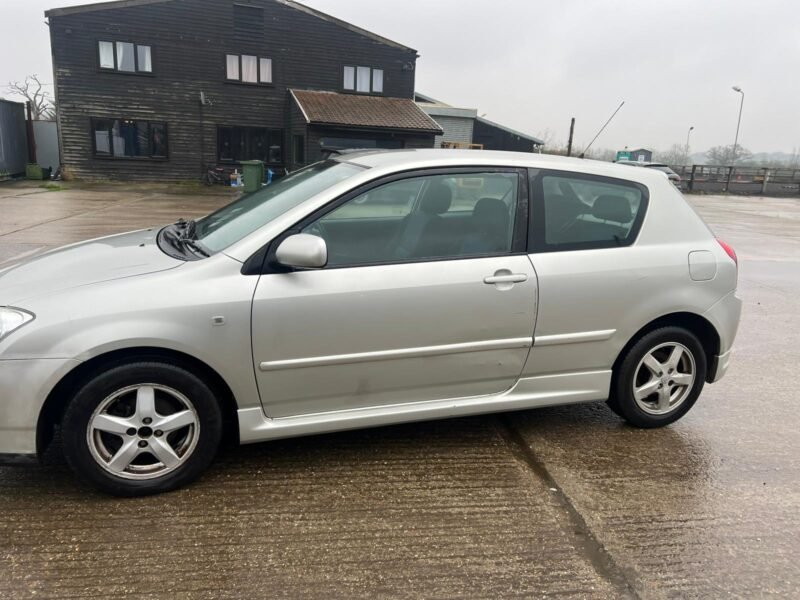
[
  {"x": 188, "y": 229},
  {"x": 194, "y": 247},
  {"x": 180, "y": 242}
]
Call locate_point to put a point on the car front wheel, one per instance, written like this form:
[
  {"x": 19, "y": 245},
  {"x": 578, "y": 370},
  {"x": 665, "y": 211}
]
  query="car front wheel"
[
  {"x": 660, "y": 378},
  {"x": 142, "y": 428}
]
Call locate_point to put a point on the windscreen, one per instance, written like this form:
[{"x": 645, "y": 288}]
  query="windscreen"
[{"x": 244, "y": 216}]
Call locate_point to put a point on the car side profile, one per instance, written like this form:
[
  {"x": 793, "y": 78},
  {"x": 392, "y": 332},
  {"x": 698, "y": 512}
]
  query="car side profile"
[{"x": 369, "y": 289}]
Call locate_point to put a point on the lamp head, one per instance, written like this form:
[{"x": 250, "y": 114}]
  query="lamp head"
[{"x": 736, "y": 88}]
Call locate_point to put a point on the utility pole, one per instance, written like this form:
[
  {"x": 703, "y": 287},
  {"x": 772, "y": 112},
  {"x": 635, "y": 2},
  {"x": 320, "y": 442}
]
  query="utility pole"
[{"x": 571, "y": 134}]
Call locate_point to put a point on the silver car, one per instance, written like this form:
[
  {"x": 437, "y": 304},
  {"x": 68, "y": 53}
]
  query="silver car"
[{"x": 374, "y": 288}]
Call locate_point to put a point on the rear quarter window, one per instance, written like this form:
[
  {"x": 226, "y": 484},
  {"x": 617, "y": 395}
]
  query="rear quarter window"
[{"x": 573, "y": 211}]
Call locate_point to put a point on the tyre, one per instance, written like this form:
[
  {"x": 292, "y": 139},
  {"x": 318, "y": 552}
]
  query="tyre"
[
  {"x": 142, "y": 428},
  {"x": 659, "y": 379}
]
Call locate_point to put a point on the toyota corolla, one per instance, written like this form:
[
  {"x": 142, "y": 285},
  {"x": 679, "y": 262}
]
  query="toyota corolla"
[{"x": 369, "y": 289}]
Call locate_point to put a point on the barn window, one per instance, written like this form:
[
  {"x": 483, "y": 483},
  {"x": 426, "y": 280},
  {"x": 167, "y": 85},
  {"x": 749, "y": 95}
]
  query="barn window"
[
  {"x": 235, "y": 144},
  {"x": 248, "y": 18},
  {"x": 125, "y": 57},
  {"x": 129, "y": 138},
  {"x": 363, "y": 80},
  {"x": 248, "y": 68}
]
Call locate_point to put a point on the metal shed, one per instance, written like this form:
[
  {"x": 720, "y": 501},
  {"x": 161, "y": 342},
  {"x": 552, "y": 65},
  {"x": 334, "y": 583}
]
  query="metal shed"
[{"x": 13, "y": 139}]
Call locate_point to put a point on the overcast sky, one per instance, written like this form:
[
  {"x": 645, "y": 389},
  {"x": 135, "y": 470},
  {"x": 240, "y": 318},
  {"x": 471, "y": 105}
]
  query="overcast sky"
[{"x": 533, "y": 64}]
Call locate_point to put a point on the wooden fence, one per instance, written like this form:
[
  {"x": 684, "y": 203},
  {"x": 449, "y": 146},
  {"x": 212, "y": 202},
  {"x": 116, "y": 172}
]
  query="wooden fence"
[{"x": 758, "y": 181}]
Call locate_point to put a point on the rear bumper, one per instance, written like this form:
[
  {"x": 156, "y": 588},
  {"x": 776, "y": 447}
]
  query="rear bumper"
[
  {"x": 719, "y": 366},
  {"x": 24, "y": 386},
  {"x": 724, "y": 315}
]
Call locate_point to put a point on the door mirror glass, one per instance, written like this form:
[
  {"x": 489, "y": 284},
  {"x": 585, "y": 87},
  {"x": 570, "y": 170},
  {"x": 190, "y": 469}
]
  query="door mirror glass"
[{"x": 303, "y": 251}]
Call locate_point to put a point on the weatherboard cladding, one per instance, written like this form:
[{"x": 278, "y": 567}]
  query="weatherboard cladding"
[{"x": 189, "y": 40}]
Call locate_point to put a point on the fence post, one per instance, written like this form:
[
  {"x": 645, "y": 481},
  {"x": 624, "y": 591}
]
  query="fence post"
[
  {"x": 728, "y": 180},
  {"x": 764, "y": 183},
  {"x": 691, "y": 178}
]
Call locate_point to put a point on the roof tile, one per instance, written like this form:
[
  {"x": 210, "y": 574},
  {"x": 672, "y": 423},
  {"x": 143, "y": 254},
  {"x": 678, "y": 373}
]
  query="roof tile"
[{"x": 350, "y": 110}]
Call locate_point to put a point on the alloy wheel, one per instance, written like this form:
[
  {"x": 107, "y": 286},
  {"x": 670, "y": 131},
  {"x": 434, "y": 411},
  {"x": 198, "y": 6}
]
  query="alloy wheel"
[
  {"x": 143, "y": 431},
  {"x": 664, "y": 378}
]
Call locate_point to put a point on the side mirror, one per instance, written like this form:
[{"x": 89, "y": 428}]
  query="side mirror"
[{"x": 303, "y": 251}]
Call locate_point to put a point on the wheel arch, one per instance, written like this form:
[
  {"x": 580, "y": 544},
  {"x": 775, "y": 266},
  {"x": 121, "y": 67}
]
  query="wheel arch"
[
  {"x": 700, "y": 326},
  {"x": 56, "y": 402}
]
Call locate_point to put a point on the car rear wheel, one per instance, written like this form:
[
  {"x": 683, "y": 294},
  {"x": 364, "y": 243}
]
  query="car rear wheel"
[
  {"x": 142, "y": 428},
  {"x": 660, "y": 378}
]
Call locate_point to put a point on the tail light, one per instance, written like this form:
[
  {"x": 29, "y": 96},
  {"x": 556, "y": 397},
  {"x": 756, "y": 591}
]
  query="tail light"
[{"x": 729, "y": 251}]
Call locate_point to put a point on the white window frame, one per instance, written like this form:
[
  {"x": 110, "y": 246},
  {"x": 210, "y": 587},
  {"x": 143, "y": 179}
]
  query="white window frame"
[
  {"x": 351, "y": 74},
  {"x": 137, "y": 67},
  {"x": 264, "y": 69}
]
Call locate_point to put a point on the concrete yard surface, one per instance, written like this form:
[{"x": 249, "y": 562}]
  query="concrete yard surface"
[{"x": 553, "y": 502}]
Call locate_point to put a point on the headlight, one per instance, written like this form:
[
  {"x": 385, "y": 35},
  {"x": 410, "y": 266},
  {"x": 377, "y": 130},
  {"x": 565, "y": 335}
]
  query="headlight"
[{"x": 12, "y": 319}]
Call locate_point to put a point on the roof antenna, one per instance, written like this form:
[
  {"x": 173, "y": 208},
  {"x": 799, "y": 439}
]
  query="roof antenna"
[{"x": 583, "y": 154}]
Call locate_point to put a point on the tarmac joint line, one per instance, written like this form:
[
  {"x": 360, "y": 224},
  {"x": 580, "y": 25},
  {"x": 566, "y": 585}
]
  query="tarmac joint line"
[{"x": 588, "y": 543}]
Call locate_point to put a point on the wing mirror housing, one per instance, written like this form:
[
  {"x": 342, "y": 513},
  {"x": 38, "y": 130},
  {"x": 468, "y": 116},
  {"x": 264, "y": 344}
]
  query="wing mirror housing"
[{"x": 302, "y": 251}]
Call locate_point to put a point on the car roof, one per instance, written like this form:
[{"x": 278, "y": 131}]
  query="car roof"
[{"x": 393, "y": 160}]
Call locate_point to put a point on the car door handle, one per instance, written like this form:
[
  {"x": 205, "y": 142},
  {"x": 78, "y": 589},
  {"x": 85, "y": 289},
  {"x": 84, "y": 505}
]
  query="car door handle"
[{"x": 509, "y": 278}]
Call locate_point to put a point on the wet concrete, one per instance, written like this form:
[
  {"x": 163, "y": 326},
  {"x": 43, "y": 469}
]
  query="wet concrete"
[{"x": 564, "y": 501}]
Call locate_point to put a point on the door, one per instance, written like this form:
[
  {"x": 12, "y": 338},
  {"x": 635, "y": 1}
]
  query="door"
[
  {"x": 428, "y": 295},
  {"x": 593, "y": 281}
]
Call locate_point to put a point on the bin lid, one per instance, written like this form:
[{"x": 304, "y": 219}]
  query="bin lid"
[{"x": 251, "y": 162}]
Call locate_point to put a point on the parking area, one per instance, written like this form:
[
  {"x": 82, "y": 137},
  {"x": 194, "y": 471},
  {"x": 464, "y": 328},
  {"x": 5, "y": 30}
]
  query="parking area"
[{"x": 566, "y": 501}]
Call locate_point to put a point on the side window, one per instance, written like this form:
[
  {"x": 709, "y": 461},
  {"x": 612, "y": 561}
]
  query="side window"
[
  {"x": 429, "y": 217},
  {"x": 576, "y": 212}
]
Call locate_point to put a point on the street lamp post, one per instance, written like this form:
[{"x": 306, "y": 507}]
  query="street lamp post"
[
  {"x": 688, "y": 133},
  {"x": 735, "y": 88}
]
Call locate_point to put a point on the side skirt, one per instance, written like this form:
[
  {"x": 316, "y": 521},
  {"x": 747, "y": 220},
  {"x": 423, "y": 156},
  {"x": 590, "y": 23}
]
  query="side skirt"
[{"x": 531, "y": 392}]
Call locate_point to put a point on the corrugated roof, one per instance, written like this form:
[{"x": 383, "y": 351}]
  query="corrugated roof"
[
  {"x": 374, "y": 112},
  {"x": 524, "y": 136},
  {"x": 70, "y": 10}
]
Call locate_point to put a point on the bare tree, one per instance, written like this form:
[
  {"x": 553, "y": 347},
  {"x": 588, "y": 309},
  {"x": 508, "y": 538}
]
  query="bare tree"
[
  {"x": 604, "y": 154},
  {"x": 33, "y": 90},
  {"x": 723, "y": 155},
  {"x": 548, "y": 136},
  {"x": 675, "y": 156}
]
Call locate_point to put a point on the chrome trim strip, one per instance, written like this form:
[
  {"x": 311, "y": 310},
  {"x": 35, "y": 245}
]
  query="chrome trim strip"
[
  {"x": 344, "y": 359},
  {"x": 574, "y": 338}
]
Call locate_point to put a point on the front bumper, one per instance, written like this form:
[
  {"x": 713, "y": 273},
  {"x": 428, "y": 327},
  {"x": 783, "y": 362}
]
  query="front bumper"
[{"x": 24, "y": 387}]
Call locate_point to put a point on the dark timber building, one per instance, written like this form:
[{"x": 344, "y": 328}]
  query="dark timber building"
[{"x": 160, "y": 89}]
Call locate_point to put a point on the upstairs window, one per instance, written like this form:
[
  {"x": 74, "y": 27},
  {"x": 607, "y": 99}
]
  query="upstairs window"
[
  {"x": 248, "y": 18},
  {"x": 125, "y": 57},
  {"x": 363, "y": 80},
  {"x": 248, "y": 68}
]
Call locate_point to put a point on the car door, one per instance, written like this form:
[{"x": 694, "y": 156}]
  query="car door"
[
  {"x": 428, "y": 295},
  {"x": 593, "y": 281}
]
